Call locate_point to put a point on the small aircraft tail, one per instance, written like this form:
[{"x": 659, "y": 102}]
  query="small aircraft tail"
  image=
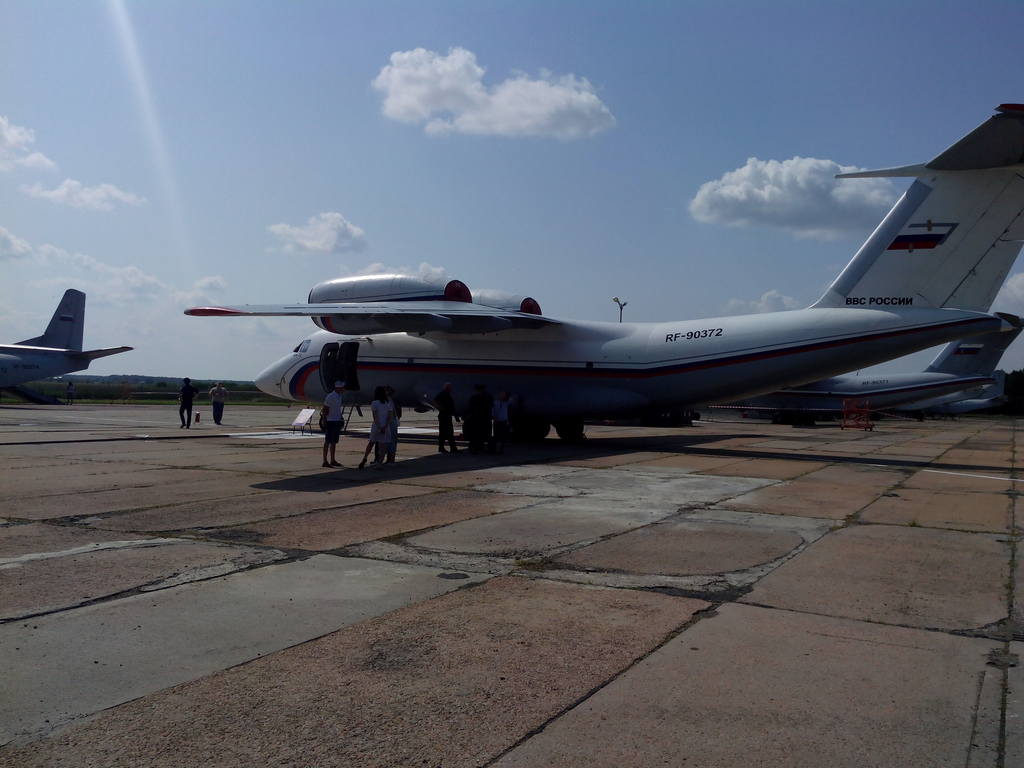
[
  {"x": 973, "y": 356},
  {"x": 954, "y": 234},
  {"x": 66, "y": 326}
]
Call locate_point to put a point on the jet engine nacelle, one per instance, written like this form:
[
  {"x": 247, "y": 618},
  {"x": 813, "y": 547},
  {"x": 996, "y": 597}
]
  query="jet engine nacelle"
[
  {"x": 506, "y": 301},
  {"x": 387, "y": 288}
]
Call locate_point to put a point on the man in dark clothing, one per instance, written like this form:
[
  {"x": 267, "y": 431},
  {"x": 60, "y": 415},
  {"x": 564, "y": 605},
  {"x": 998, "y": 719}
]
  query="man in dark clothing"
[
  {"x": 478, "y": 418},
  {"x": 185, "y": 396},
  {"x": 445, "y": 404}
]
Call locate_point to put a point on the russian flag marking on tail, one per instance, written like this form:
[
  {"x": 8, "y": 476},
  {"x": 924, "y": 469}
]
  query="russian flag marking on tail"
[
  {"x": 925, "y": 240},
  {"x": 968, "y": 349}
]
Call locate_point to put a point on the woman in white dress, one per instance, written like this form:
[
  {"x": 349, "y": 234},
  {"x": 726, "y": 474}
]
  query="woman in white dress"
[{"x": 380, "y": 431}]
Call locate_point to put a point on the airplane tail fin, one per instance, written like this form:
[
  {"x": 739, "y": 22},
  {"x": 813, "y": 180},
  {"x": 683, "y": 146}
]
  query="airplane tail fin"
[
  {"x": 997, "y": 388},
  {"x": 954, "y": 234},
  {"x": 974, "y": 356},
  {"x": 66, "y": 326}
]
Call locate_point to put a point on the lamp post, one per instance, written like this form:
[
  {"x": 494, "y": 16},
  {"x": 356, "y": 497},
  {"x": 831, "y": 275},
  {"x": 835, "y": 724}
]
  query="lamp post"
[{"x": 621, "y": 304}]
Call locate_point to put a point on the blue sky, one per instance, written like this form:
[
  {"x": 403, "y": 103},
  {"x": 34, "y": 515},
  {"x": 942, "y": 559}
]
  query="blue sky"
[{"x": 548, "y": 149}]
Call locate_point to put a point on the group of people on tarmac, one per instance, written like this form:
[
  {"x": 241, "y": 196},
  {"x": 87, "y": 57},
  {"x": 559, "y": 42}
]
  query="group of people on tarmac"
[
  {"x": 186, "y": 396},
  {"x": 485, "y": 423},
  {"x": 386, "y": 413}
]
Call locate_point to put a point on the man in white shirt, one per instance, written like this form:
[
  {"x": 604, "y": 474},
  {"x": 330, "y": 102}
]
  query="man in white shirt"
[
  {"x": 332, "y": 424},
  {"x": 218, "y": 395}
]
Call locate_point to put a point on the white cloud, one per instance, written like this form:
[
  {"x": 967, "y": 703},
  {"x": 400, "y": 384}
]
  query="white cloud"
[
  {"x": 770, "y": 301},
  {"x": 1011, "y": 296},
  {"x": 800, "y": 195},
  {"x": 328, "y": 232},
  {"x": 16, "y": 148},
  {"x": 12, "y": 247},
  {"x": 105, "y": 283},
  {"x": 448, "y": 94},
  {"x": 102, "y": 197}
]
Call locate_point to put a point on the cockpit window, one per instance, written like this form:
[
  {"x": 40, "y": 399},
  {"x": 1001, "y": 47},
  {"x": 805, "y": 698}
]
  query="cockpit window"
[{"x": 302, "y": 347}]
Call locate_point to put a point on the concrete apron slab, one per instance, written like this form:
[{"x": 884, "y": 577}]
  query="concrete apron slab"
[
  {"x": 680, "y": 548},
  {"x": 539, "y": 529},
  {"x": 754, "y": 686},
  {"x": 452, "y": 681},
  {"x": 78, "y": 662},
  {"x": 588, "y": 504},
  {"x": 336, "y": 528},
  {"x": 714, "y": 530},
  {"x": 265, "y": 505},
  {"x": 208, "y": 485},
  {"x": 633, "y": 487},
  {"x": 908, "y": 576},
  {"x": 933, "y": 509},
  {"x": 1014, "y": 748},
  {"x": 42, "y": 581}
]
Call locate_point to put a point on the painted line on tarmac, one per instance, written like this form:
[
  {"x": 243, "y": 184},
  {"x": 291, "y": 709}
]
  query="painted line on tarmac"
[
  {"x": 958, "y": 474},
  {"x": 14, "y": 562},
  {"x": 971, "y": 474}
]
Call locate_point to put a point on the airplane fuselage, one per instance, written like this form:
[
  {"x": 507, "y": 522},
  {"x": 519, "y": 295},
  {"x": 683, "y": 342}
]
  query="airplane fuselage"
[
  {"x": 594, "y": 370},
  {"x": 20, "y": 364}
]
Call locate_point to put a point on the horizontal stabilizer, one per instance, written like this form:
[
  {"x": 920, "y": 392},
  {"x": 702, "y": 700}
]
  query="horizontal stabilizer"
[
  {"x": 357, "y": 318},
  {"x": 996, "y": 143},
  {"x": 975, "y": 355},
  {"x": 95, "y": 354},
  {"x": 886, "y": 173},
  {"x": 952, "y": 237}
]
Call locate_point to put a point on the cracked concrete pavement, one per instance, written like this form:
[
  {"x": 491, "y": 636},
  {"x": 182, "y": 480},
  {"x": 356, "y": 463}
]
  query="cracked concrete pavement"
[{"x": 728, "y": 594}]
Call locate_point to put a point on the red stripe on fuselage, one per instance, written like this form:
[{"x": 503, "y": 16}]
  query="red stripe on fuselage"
[{"x": 668, "y": 370}]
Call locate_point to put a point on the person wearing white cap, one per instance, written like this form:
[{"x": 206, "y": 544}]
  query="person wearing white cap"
[{"x": 332, "y": 423}]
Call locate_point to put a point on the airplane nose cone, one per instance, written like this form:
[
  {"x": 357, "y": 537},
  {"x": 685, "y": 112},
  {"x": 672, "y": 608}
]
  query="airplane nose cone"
[{"x": 269, "y": 380}]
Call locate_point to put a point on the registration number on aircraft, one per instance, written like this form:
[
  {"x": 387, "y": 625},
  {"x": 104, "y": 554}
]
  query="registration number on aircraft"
[{"x": 703, "y": 333}]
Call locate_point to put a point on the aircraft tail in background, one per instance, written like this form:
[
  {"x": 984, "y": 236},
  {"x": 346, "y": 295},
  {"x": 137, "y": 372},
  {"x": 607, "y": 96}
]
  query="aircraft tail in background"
[
  {"x": 954, "y": 234},
  {"x": 67, "y": 325},
  {"x": 977, "y": 355}
]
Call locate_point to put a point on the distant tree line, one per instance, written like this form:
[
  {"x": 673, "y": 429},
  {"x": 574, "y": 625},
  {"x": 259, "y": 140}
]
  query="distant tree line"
[
  {"x": 1014, "y": 393},
  {"x": 143, "y": 389}
]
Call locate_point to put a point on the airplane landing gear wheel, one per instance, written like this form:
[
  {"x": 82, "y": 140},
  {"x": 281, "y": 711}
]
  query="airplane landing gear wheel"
[
  {"x": 530, "y": 430},
  {"x": 570, "y": 430}
]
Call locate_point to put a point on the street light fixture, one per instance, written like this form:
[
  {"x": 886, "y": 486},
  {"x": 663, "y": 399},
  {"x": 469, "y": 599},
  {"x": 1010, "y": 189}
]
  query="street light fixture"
[{"x": 621, "y": 304}]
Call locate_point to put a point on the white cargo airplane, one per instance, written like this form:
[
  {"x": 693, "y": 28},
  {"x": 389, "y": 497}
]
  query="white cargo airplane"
[
  {"x": 925, "y": 276},
  {"x": 962, "y": 370},
  {"x": 57, "y": 351},
  {"x": 951, "y": 405}
]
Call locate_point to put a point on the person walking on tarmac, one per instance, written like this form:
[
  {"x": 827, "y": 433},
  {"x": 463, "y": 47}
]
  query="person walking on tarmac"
[
  {"x": 186, "y": 394},
  {"x": 217, "y": 397},
  {"x": 445, "y": 404},
  {"x": 332, "y": 423}
]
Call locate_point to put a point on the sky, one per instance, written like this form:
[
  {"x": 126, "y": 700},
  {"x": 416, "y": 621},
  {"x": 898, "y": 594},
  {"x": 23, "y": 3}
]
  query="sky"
[{"x": 679, "y": 155}]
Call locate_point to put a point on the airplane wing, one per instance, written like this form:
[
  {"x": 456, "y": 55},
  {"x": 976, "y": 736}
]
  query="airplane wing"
[{"x": 390, "y": 317}]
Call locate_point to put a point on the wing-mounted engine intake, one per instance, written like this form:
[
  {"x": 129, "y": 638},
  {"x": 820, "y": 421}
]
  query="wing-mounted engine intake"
[{"x": 504, "y": 300}]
